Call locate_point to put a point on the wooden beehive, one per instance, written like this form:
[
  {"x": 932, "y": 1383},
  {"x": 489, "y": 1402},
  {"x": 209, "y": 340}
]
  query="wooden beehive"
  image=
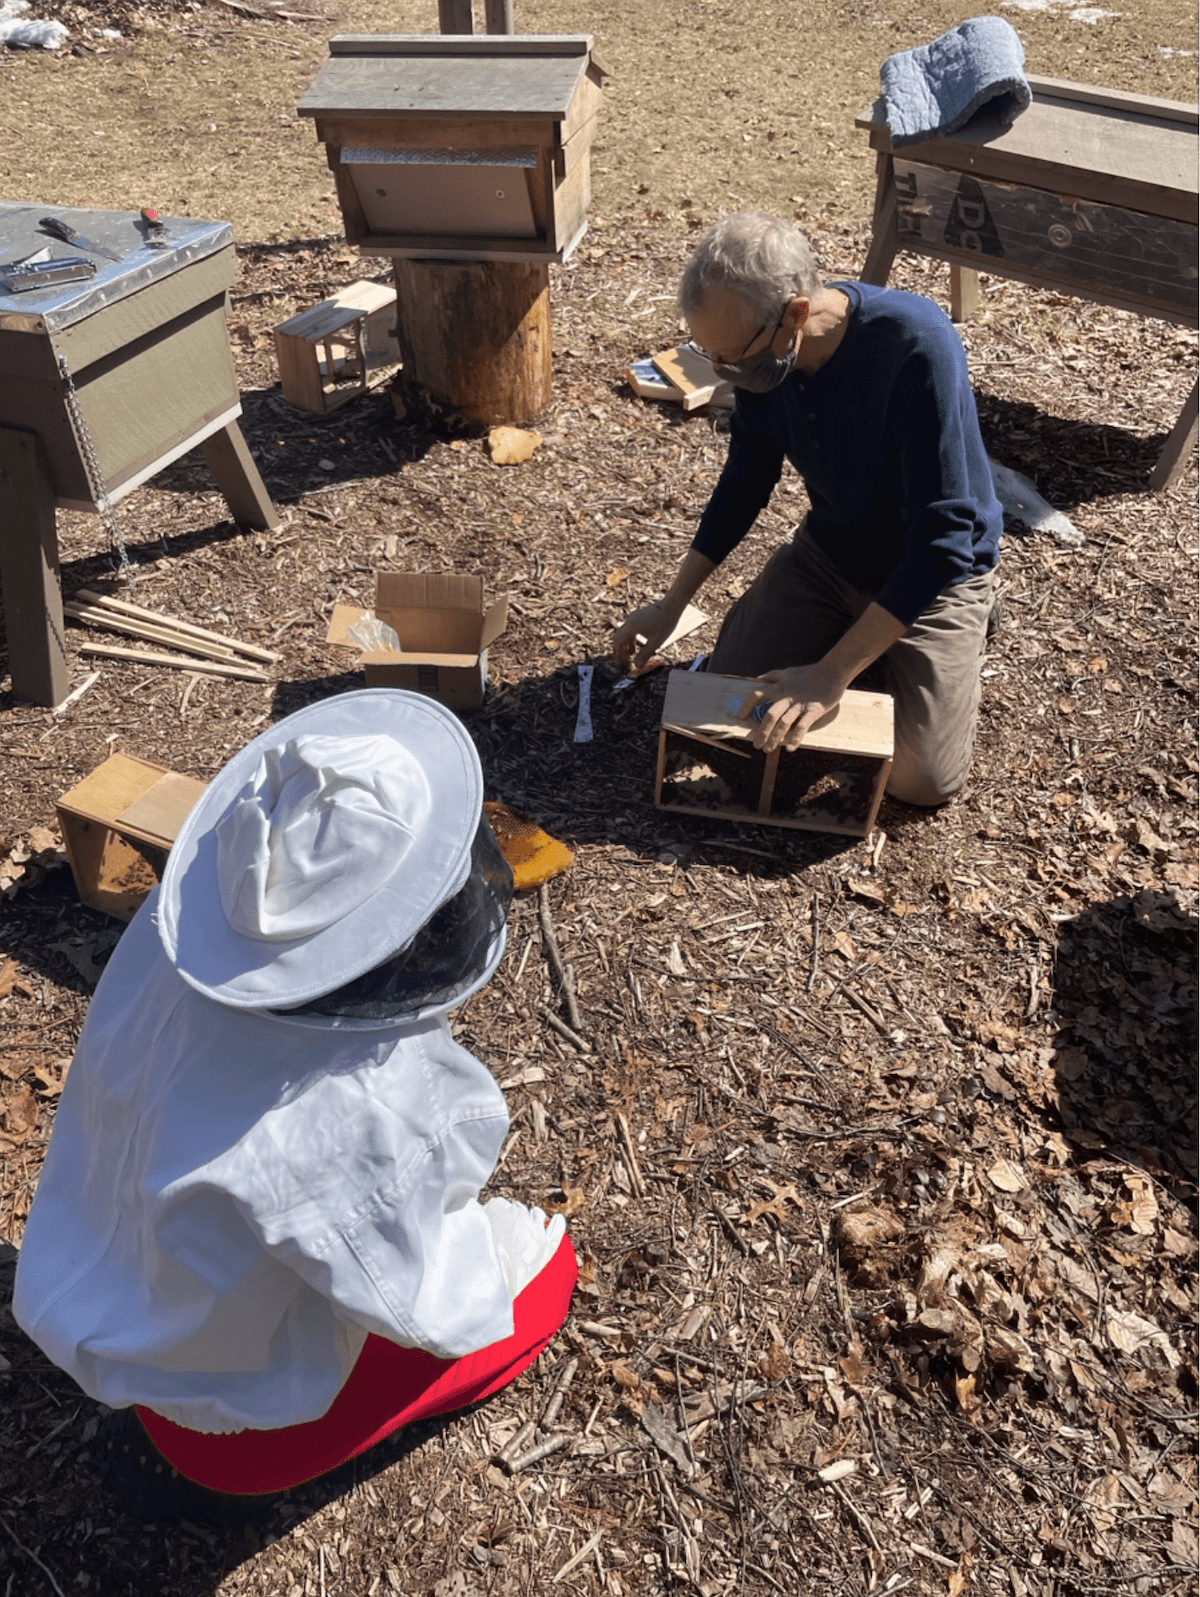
[
  {"x": 1091, "y": 191},
  {"x": 707, "y": 764},
  {"x": 336, "y": 350},
  {"x": 118, "y": 826},
  {"x": 460, "y": 147}
]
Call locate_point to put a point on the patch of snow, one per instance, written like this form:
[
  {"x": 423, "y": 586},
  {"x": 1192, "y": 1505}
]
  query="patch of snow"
[{"x": 21, "y": 34}]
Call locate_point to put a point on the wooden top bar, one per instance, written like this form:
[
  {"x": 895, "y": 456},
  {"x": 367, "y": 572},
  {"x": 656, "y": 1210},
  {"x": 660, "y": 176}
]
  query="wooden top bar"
[
  {"x": 462, "y": 44},
  {"x": 1094, "y": 144},
  {"x": 860, "y": 723}
]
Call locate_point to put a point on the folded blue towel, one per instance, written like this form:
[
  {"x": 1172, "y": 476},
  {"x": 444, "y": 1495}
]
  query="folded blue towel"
[{"x": 938, "y": 87}]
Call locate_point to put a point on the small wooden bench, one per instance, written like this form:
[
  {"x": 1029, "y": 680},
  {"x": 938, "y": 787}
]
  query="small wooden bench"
[{"x": 1091, "y": 191}]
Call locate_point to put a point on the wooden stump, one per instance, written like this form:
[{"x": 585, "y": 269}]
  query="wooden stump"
[{"x": 475, "y": 336}]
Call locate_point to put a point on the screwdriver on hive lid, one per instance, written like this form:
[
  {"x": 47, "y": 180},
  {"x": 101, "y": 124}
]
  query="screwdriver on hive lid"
[{"x": 64, "y": 231}]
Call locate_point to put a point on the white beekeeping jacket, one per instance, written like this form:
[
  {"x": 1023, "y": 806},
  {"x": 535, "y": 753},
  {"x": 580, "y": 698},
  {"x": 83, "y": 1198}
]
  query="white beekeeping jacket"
[{"x": 232, "y": 1200}]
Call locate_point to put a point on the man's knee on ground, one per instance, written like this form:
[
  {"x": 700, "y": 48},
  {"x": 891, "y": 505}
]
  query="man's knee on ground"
[{"x": 924, "y": 789}]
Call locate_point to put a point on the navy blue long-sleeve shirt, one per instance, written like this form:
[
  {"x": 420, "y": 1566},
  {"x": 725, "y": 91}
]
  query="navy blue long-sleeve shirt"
[{"x": 886, "y": 437}]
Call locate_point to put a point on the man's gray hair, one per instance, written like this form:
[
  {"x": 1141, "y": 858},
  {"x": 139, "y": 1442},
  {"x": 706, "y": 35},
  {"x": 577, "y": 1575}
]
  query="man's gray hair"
[{"x": 759, "y": 257}]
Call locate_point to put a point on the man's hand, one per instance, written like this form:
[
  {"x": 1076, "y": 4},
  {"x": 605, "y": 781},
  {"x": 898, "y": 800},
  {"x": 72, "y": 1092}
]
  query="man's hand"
[
  {"x": 798, "y": 699},
  {"x": 641, "y": 635}
]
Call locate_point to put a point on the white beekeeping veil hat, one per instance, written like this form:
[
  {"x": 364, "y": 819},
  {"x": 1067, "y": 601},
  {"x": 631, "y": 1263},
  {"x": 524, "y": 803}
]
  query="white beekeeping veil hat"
[{"x": 322, "y": 849}]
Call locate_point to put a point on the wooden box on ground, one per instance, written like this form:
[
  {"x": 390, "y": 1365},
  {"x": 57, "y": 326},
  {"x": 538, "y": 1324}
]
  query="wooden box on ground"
[
  {"x": 707, "y": 764},
  {"x": 444, "y": 627},
  {"x": 459, "y": 147},
  {"x": 339, "y": 348},
  {"x": 118, "y": 826},
  {"x": 1091, "y": 191}
]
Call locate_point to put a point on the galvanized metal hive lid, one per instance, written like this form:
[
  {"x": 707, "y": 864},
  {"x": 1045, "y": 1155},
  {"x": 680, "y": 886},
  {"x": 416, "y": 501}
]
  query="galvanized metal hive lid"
[
  {"x": 51, "y": 309},
  {"x": 441, "y": 75}
]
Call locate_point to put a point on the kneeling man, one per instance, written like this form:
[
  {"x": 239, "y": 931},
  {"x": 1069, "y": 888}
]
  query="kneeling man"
[{"x": 865, "y": 390}]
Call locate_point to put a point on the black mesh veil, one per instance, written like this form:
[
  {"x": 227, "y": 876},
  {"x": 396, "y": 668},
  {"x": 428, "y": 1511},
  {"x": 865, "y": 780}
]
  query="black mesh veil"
[{"x": 446, "y": 957}]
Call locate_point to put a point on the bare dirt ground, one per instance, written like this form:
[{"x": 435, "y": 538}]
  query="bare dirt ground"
[{"x": 896, "y": 1288}]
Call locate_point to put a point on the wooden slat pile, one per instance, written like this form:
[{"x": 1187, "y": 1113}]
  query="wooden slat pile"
[{"x": 199, "y": 649}]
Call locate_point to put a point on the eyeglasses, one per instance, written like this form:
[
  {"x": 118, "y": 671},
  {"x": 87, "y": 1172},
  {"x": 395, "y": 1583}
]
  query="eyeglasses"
[{"x": 716, "y": 360}]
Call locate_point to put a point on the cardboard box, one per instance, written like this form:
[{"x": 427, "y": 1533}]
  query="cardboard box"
[
  {"x": 707, "y": 764},
  {"x": 444, "y": 629},
  {"x": 118, "y": 826}
]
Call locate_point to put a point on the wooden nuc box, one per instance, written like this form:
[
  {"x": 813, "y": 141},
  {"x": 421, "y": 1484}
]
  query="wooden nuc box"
[
  {"x": 707, "y": 764},
  {"x": 118, "y": 825},
  {"x": 460, "y": 147},
  {"x": 354, "y": 331}
]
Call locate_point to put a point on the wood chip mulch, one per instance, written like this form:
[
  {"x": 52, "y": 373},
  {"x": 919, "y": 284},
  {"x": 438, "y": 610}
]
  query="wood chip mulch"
[{"x": 880, "y": 1156}]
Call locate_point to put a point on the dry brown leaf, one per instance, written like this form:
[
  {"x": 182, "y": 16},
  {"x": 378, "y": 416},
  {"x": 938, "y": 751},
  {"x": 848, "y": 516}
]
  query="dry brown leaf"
[
  {"x": 616, "y": 575},
  {"x": 776, "y": 1205},
  {"x": 509, "y": 446},
  {"x": 853, "y": 1366},
  {"x": 20, "y": 1114},
  {"x": 960, "y": 1578},
  {"x": 968, "y": 1396},
  {"x": 1007, "y": 1176},
  {"x": 844, "y": 1402},
  {"x": 775, "y": 1363},
  {"x": 865, "y": 889},
  {"x": 625, "y": 1377},
  {"x": 1129, "y": 1332},
  {"x": 53, "y": 1077},
  {"x": 1140, "y": 1213}
]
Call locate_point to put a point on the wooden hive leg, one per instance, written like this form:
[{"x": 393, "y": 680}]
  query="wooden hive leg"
[
  {"x": 238, "y": 478},
  {"x": 1178, "y": 446},
  {"x": 885, "y": 232},
  {"x": 33, "y": 616},
  {"x": 964, "y": 293}
]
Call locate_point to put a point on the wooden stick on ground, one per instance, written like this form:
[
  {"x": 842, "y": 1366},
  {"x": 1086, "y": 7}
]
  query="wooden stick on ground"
[
  {"x": 636, "y": 1180},
  {"x": 218, "y": 668},
  {"x": 563, "y": 1030},
  {"x": 92, "y": 616},
  {"x": 555, "y": 957},
  {"x": 123, "y": 607}
]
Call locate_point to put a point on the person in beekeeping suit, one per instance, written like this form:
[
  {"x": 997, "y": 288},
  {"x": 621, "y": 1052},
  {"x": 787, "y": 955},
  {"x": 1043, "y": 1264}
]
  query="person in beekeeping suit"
[{"x": 259, "y": 1219}]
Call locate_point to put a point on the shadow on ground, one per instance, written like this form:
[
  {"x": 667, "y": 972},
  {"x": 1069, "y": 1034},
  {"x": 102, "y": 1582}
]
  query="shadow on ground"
[{"x": 1125, "y": 982}]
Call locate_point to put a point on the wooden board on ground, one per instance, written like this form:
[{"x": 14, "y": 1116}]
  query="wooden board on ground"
[
  {"x": 692, "y": 374},
  {"x": 708, "y": 765}
]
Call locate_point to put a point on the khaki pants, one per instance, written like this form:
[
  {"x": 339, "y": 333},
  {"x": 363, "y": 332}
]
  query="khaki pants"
[{"x": 797, "y": 608}]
